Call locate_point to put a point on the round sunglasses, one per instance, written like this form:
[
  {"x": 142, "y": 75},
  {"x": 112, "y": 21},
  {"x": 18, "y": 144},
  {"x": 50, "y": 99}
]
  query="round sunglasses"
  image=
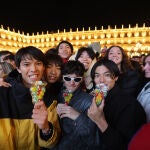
[{"x": 75, "y": 79}]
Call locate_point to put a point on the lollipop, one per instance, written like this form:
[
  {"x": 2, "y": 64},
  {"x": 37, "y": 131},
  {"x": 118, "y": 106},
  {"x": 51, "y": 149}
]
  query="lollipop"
[
  {"x": 37, "y": 91},
  {"x": 100, "y": 93},
  {"x": 67, "y": 96}
]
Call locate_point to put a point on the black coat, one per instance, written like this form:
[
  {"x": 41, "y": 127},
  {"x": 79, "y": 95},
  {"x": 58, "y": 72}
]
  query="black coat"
[
  {"x": 130, "y": 82},
  {"x": 124, "y": 116}
]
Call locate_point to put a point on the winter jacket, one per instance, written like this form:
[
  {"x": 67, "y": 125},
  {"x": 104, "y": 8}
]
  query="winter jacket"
[
  {"x": 82, "y": 133},
  {"x": 17, "y": 130},
  {"x": 130, "y": 82},
  {"x": 124, "y": 115}
]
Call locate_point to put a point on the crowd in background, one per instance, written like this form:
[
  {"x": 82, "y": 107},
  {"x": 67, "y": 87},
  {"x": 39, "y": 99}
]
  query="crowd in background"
[{"x": 120, "y": 122}]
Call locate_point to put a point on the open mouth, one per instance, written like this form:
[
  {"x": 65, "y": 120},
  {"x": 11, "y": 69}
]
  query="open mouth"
[{"x": 33, "y": 77}]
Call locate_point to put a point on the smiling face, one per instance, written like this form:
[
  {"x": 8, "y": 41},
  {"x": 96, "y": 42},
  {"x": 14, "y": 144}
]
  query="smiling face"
[
  {"x": 115, "y": 55},
  {"x": 103, "y": 75},
  {"x": 64, "y": 50},
  {"x": 53, "y": 72},
  {"x": 31, "y": 70},
  {"x": 85, "y": 59},
  {"x": 72, "y": 82}
]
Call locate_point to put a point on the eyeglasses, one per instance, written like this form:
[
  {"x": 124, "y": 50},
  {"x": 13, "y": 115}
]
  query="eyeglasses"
[{"x": 75, "y": 79}]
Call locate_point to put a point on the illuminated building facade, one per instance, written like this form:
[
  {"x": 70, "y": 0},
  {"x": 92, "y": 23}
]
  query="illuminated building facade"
[{"x": 135, "y": 40}]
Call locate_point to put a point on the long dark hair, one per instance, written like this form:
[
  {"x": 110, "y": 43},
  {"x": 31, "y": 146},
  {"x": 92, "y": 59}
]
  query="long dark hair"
[{"x": 126, "y": 63}]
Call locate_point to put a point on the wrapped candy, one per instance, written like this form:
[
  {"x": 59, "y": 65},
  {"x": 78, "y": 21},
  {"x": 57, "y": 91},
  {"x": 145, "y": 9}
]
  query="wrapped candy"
[
  {"x": 37, "y": 91},
  {"x": 100, "y": 93},
  {"x": 67, "y": 96}
]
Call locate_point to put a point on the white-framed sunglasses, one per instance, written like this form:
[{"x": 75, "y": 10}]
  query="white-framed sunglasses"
[{"x": 75, "y": 79}]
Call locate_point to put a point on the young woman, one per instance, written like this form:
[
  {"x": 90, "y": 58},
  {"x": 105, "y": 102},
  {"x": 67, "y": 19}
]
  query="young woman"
[
  {"x": 87, "y": 57},
  {"x": 129, "y": 79}
]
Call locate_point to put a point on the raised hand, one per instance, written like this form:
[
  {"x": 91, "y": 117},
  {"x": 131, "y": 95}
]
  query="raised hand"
[
  {"x": 64, "y": 110},
  {"x": 96, "y": 114},
  {"x": 40, "y": 116}
]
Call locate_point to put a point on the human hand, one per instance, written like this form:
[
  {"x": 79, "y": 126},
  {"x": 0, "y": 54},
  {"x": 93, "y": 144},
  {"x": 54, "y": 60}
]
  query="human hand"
[
  {"x": 40, "y": 116},
  {"x": 96, "y": 114},
  {"x": 3, "y": 83},
  {"x": 64, "y": 110}
]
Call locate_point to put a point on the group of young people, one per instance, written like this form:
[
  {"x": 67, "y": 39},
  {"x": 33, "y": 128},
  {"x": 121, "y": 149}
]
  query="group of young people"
[{"x": 68, "y": 117}]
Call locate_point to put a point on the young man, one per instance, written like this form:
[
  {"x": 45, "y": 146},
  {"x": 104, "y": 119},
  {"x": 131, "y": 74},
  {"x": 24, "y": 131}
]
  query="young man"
[
  {"x": 120, "y": 115},
  {"x": 79, "y": 132},
  {"x": 53, "y": 71},
  {"x": 22, "y": 124},
  {"x": 64, "y": 50}
]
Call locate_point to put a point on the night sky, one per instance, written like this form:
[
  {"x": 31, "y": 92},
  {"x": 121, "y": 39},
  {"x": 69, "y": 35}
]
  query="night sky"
[{"x": 32, "y": 17}]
